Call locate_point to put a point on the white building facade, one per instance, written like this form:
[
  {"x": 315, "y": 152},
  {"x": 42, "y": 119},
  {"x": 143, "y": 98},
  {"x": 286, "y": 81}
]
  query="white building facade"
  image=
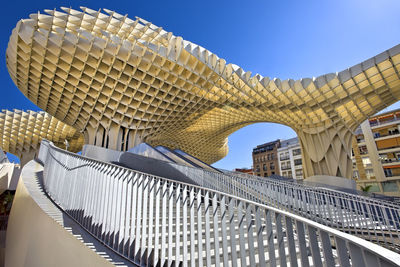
[{"x": 289, "y": 159}]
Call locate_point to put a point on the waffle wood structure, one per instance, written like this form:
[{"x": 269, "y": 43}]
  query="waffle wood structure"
[
  {"x": 123, "y": 81},
  {"x": 21, "y": 133}
]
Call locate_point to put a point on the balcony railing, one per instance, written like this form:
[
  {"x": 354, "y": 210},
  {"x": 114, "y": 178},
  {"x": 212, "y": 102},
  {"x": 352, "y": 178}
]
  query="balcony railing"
[
  {"x": 392, "y": 160},
  {"x": 388, "y": 134},
  {"x": 151, "y": 220},
  {"x": 377, "y": 123}
]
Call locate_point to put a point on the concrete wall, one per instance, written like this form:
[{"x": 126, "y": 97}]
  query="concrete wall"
[
  {"x": 158, "y": 167},
  {"x": 35, "y": 239},
  {"x": 100, "y": 153},
  {"x": 146, "y": 150}
]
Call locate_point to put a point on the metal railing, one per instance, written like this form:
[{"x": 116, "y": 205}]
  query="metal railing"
[
  {"x": 372, "y": 219},
  {"x": 369, "y": 218},
  {"x": 378, "y": 123},
  {"x": 391, "y": 160},
  {"x": 155, "y": 221}
]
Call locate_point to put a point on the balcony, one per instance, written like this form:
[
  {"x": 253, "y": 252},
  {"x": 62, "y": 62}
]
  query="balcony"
[
  {"x": 391, "y": 134},
  {"x": 377, "y": 124},
  {"x": 389, "y": 161},
  {"x": 359, "y": 141}
]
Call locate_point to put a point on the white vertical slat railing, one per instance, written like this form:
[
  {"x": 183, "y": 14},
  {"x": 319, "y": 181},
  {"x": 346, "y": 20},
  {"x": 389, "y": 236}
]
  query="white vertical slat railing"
[
  {"x": 371, "y": 219},
  {"x": 153, "y": 221}
]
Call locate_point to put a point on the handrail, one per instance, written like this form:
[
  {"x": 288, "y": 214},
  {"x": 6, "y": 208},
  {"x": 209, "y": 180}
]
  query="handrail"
[
  {"x": 288, "y": 183},
  {"x": 153, "y": 220},
  {"x": 374, "y": 220}
]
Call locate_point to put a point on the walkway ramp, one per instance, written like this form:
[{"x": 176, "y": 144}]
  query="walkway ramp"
[
  {"x": 196, "y": 161},
  {"x": 155, "y": 221},
  {"x": 147, "y": 150}
]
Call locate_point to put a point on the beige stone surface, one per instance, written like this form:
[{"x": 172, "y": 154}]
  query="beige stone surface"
[
  {"x": 123, "y": 81},
  {"x": 22, "y": 131},
  {"x": 35, "y": 239}
]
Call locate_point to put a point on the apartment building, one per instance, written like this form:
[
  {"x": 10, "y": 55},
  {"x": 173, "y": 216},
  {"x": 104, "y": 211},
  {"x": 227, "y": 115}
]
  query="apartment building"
[
  {"x": 281, "y": 157},
  {"x": 265, "y": 159},
  {"x": 289, "y": 159},
  {"x": 376, "y": 154}
]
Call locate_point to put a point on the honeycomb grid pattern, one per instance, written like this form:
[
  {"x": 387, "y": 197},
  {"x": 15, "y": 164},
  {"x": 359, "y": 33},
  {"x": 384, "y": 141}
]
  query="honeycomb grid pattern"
[
  {"x": 22, "y": 131},
  {"x": 123, "y": 81}
]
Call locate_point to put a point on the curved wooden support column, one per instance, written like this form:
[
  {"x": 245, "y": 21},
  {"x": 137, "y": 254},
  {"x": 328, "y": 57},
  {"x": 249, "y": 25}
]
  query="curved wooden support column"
[{"x": 326, "y": 151}]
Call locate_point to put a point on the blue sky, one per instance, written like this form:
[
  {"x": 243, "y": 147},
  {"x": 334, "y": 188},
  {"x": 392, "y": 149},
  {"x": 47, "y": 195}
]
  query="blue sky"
[{"x": 285, "y": 39}]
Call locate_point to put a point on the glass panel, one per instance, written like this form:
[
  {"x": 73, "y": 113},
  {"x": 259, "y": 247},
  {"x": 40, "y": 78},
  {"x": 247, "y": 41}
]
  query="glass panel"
[
  {"x": 374, "y": 187},
  {"x": 296, "y": 152},
  {"x": 390, "y": 186}
]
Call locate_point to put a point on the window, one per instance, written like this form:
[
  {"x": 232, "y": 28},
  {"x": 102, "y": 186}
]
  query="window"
[
  {"x": 390, "y": 186},
  {"x": 393, "y": 131},
  {"x": 257, "y": 168},
  {"x": 272, "y": 166},
  {"x": 272, "y": 156},
  {"x": 264, "y": 167},
  {"x": 284, "y": 155},
  {"x": 388, "y": 172},
  {"x": 383, "y": 157},
  {"x": 363, "y": 150},
  {"x": 373, "y": 122},
  {"x": 289, "y": 174},
  {"x": 297, "y": 162},
  {"x": 299, "y": 173},
  {"x": 366, "y": 162},
  {"x": 269, "y": 156},
  {"x": 296, "y": 152},
  {"x": 370, "y": 173},
  {"x": 285, "y": 165}
]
